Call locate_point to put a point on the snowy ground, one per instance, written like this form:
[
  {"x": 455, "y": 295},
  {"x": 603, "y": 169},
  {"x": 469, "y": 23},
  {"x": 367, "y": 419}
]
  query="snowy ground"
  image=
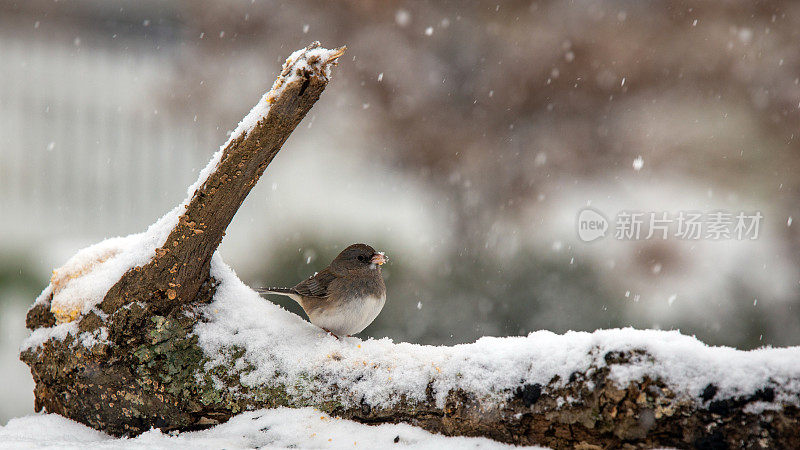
[{"x": 277, "y": 428}]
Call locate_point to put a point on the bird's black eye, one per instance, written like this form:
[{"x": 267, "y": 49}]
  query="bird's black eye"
[{"x": 362, "y": 258}]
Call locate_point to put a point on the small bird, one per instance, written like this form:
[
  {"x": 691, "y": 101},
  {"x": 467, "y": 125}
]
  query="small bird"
[{"x": 344, "y": 297}]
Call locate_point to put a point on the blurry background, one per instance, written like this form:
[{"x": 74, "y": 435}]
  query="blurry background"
[{"x": 460, "y": 137}]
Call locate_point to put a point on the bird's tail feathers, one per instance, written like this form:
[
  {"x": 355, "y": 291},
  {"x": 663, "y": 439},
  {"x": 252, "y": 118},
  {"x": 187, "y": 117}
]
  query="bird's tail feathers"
[{"x": 276, "y": 290}]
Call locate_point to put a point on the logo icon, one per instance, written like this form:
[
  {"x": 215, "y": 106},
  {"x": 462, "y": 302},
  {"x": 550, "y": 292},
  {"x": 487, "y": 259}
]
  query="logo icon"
[{"x": 592, "y": 224}]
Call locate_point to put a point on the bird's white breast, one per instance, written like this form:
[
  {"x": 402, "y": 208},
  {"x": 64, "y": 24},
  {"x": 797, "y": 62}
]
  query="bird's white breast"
[{"x": 350, "y": 317}]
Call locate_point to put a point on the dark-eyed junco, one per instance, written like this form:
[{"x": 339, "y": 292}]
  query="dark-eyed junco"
[{"x": 344, "y": 297}]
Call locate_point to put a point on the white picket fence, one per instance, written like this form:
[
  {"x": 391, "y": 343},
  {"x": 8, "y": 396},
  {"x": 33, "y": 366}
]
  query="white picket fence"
[{"x": 84, "y": 148}]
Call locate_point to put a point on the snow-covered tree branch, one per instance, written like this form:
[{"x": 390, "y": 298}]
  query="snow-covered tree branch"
[{"x": 154, "y": 330}]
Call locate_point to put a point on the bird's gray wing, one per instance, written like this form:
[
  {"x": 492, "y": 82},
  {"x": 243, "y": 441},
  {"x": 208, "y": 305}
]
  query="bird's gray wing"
[{"x": 317, "y": 285}]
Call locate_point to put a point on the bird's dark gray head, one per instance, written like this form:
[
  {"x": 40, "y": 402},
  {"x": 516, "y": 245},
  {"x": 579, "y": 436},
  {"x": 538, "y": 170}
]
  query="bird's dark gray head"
[{"x": 358, "y": 257}]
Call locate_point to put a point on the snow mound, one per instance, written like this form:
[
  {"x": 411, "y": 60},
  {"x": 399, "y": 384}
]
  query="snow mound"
[
  {"x": 275, "y": 428},
  {"x": 281, "y": 349}
]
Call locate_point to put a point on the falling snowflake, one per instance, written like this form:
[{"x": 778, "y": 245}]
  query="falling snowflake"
[{"x": 638, "y": 163}]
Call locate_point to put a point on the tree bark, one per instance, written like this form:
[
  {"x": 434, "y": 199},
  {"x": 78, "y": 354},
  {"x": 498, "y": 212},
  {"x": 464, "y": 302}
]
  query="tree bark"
[
  {"x": 151, "y": 372},
  {"x": 181, "y": 266}
]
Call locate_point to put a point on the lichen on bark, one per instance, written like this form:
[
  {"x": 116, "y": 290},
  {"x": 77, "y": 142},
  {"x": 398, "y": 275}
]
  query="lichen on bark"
[{"x": 171, "y": 385}]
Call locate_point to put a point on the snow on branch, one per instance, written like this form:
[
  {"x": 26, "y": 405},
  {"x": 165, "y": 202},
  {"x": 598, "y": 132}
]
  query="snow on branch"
[{"x": 172, "y": 257}]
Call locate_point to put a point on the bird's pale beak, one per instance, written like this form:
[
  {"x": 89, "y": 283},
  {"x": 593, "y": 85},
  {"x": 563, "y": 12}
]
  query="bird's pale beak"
[{"x": 379, "y": 258}]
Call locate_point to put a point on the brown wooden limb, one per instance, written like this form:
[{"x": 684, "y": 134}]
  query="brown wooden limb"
[
  {"x": 156, "y": 384},
  {"x": 180, "y": 267}
]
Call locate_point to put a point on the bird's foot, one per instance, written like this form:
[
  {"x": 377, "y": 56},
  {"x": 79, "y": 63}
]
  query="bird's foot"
[{"x": 330, "y": 332}]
